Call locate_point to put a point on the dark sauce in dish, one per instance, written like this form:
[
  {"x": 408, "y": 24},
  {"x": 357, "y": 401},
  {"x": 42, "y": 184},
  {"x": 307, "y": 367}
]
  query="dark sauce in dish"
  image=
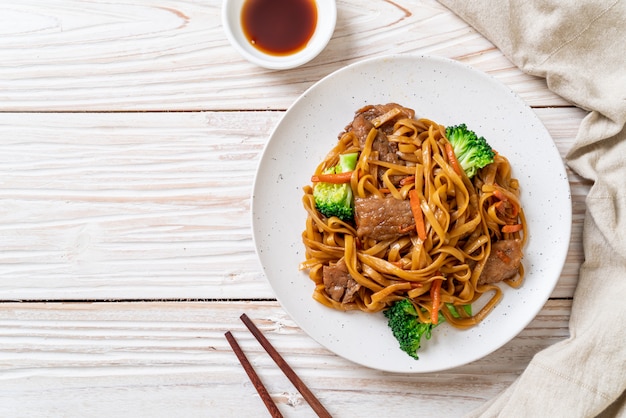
[{"x": 279, "y": 27}]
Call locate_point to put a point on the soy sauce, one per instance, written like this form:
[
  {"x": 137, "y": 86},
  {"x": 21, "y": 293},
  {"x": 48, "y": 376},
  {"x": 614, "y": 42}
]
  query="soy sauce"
[{"x": 279, "y": 27}]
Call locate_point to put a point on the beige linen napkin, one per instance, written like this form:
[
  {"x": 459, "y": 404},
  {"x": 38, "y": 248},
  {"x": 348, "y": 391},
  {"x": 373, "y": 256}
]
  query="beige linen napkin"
[{"x": 579, "y": 47}]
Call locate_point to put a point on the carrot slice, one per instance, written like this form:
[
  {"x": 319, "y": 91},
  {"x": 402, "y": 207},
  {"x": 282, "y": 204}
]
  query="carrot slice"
[
  {"x": 416, "y": 209},
  {"x": 435, "y": 296},
  {"x": 338, "y": 178},
  {"x": 452, "y": 159},
  {"x": 497, "y": 193},
  {"x": 511, "y": 228},
  {"x": 507, "y": 208}
]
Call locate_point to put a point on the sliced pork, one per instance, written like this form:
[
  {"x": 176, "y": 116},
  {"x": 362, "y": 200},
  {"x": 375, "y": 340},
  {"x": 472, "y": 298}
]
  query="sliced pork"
[
  {"x": 338, "y": 283},
  {"x": 503, "y": 262},
  {"x": 382, "y": 218},
  {"x": 363, "y": 123}
]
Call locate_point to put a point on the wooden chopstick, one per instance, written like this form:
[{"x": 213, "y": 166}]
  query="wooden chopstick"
[
  {"x": 286, "y": 369},
  {"x": 254, "y": 378}
]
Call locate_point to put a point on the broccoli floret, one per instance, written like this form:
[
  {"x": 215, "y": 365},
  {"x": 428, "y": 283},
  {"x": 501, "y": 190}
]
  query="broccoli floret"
[
  {"x": 471, "y": 151},
  {"x": 406, "y": 327},
  {"x": 337, "y": 199}
]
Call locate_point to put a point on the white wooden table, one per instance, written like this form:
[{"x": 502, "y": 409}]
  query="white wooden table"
[{"x": 129, "y": 137}]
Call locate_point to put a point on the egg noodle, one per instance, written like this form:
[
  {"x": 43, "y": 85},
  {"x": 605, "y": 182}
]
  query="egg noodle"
[{"x": 461, "y": 217}]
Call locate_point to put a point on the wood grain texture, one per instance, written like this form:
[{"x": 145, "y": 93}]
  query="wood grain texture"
[
  {"x": 74, "y": 55},
  {"x": 153, "y": 205},
  {"x": 107, "y": 204},
  {"x": 171, "y": 359}
]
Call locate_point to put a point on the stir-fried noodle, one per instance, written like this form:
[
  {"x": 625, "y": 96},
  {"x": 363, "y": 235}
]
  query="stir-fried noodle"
[{"x": 461, "y": 220}]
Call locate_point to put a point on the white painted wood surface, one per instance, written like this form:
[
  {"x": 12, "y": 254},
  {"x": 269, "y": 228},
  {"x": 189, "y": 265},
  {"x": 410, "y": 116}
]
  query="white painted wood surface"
[
  {"x": 171, "y": 359},
  {"x": 129, "y": 138},
  {"x": 173, "y": 54}
]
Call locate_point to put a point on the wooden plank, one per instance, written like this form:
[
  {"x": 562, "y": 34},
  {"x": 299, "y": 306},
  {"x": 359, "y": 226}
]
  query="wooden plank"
[
  {"x": 152, "y": 205},
  {"x": 171, "y": 359},
  {"x": 174, "y": 55},
  {"x": 112, "y": 205}
]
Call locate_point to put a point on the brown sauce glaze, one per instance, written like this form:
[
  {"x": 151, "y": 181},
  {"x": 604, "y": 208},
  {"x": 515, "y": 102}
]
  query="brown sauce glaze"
[{"x": 279, "y": 27}]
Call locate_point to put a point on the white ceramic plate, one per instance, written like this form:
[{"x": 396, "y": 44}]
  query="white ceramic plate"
[{"x": 449, "y": 93}]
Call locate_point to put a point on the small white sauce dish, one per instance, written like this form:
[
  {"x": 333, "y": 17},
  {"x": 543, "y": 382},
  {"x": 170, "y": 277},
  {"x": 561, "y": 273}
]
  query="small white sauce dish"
[{"x": 326, "y": 20}]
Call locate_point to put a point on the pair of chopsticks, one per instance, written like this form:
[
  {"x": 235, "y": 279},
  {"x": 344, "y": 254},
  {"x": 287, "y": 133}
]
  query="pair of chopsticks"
[{"x": 282, "y": 364}]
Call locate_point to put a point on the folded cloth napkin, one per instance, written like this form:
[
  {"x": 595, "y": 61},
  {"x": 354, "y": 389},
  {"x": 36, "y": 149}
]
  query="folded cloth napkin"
[{"x": 579, "y": 47}]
